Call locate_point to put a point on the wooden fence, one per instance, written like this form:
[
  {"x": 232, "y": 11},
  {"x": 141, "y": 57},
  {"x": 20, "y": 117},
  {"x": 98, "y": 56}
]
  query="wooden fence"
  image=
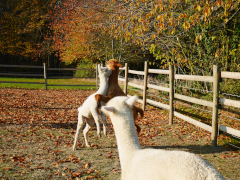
[
  {"x": 215, "y": 79},
  {"x": 214, "y": 104},
  {"x": 44, "y": 74}
]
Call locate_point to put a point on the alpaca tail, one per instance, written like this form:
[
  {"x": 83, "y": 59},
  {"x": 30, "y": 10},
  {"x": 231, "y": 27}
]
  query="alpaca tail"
[
  {"x": 140, "y": 111},
  {"x": 79, "y": 109}
]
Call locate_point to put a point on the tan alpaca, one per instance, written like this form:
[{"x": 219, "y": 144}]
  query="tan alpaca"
[{"x": 115, "y": 90}]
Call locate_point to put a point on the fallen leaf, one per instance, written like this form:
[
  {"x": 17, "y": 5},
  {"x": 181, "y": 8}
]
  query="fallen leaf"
[{"x": 87, "y": 166}]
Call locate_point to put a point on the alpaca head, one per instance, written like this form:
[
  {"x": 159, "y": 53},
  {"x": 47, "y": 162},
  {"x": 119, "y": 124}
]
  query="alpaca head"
[
  {"x": 104, "y": 71},
  {"x": 113, "y": 64},
  {"x": 119, "y": 105}
]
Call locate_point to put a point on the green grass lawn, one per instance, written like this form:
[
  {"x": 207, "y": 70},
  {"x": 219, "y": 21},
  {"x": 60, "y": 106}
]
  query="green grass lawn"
[{"x": 23, "y": 83}]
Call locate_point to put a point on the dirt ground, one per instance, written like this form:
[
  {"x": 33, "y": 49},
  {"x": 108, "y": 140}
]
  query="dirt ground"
[{"x": 37, "y": 128}]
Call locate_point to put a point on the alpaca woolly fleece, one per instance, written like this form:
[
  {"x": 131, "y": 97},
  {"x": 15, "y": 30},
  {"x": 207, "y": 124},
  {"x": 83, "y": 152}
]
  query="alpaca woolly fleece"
[
  {"x": 151, "y": 164},
  {"x": 115, "y": 90},
  {"x": 89, "y": 110}
]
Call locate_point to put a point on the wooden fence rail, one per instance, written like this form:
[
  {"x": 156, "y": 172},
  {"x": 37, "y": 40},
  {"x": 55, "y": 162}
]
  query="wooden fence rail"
[
  {"x": 214, "y": 104},
  {"x": 44, "y": 74},
  {"x": 215, "y": 79}
]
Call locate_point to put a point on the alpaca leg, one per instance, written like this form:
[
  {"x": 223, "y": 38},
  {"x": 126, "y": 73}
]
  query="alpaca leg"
[
  {"x": 137, "y": 128},
  {"x": 89, "y": 124},
  {"x": 104, "y": 123},
  {"x": 99, "y": 98},
  {"x": 97, "y": 121},
  {"x": 79, "y": 128},
  {"x": 103, "y": 117},
  {"x": 139, "y": 110},
  {"x": 135, "y": 111}
]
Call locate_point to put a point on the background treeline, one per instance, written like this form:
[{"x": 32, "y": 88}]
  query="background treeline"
[{"x": 192, "y": 35}]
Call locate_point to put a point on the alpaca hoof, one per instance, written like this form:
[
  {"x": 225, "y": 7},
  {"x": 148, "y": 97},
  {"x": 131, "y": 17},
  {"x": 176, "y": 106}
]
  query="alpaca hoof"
[
  {"x": 87, "y": 145},
  {"x": 74, "y": 148}
]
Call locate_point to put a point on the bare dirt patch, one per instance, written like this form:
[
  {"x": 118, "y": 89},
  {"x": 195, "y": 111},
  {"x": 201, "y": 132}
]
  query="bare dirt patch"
[{"x": 38, "y": 127}]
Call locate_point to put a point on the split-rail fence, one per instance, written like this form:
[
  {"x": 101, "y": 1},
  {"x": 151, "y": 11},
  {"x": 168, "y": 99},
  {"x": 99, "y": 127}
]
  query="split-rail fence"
[
  {"x": 44, "y": 74},
  {"x": 214, "y": 104}
]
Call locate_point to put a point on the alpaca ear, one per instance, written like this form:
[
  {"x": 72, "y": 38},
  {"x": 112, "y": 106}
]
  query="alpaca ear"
[
  {"x": 131, "y": 101},
  {"x": 103, "y": 68},
  {"x": 99, "y": 68},
  {"x": 107, "y": 109},
  {"x": 119, "y": 65}
]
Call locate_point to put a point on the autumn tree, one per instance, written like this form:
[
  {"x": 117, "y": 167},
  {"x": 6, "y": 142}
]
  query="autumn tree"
[
  {"x": 23, "y": 24},
  {"x": 74, "y": 29},
  {"x": 82, "y": 32},
  {"x": 192, "y": 35}
]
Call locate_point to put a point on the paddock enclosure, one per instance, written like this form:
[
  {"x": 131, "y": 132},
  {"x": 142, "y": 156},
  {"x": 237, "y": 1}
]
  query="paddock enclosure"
[
  {"x": 37, "y": 128},
  {"x": 172, "y": 86},
  {"x": 42, "y": 72}
]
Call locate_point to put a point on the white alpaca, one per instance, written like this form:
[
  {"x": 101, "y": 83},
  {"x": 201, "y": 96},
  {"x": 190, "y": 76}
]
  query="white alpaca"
[
  {"x": 151, "y": 164},
  {"x": 89, "y": 109}
]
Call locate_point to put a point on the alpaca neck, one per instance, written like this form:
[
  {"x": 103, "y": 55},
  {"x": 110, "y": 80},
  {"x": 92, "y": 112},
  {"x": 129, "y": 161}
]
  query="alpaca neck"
[
  {"x": 127, "y": 139},
  {"x": 113, "y": 79},
  {"x": 103, "y": 86}
]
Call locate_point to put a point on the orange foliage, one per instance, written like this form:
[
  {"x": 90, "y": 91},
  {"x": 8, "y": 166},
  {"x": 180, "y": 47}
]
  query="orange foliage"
[{"x": 76, "y": 27}]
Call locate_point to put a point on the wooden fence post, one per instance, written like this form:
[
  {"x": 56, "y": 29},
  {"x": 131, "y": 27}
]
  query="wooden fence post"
[
  {"x": 216, "y": 78},
  {"x": 97, "y": 76},
  {"x": 145, "y": 84},
  {"x": 45, "y": 74},
  {"x": 126, "y": 78},
  {"x": 171, "y": 93}
]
